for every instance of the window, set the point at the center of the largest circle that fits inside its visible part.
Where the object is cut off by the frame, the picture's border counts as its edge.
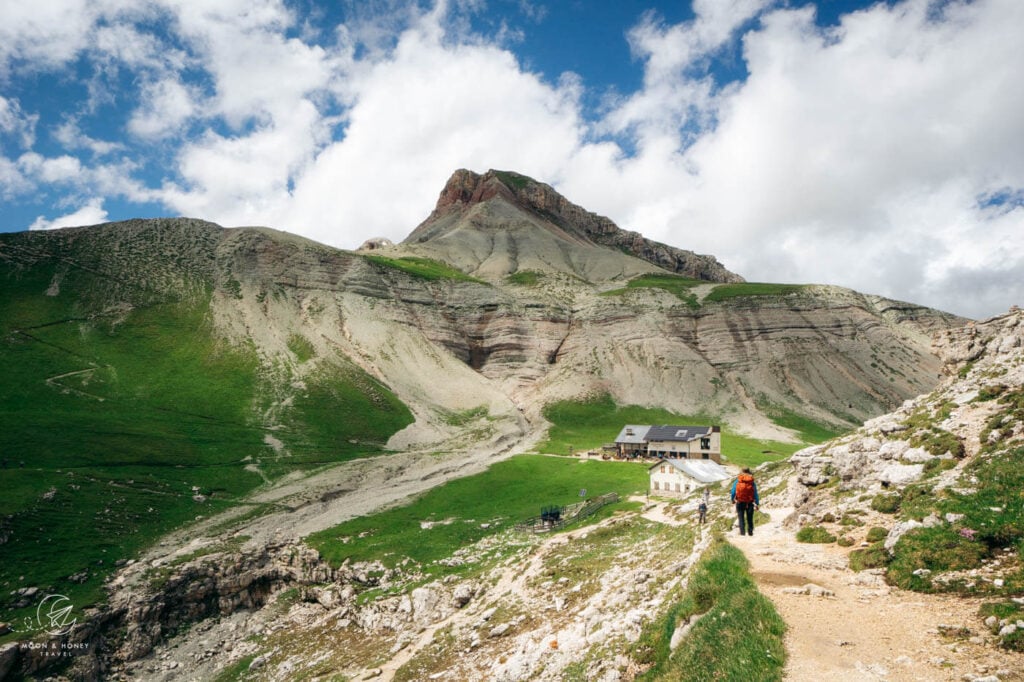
(656, 485)
(678, 489)
(705, 443)
(705, 455)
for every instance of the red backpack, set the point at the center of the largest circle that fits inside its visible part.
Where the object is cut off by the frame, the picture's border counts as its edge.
(745, 488)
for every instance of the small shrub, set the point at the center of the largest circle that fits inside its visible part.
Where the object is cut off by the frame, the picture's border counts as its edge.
(886, 503)
(828, 517)
(1001, 609)
(845, 541)
(850, 520)
(938, 465)
(877, 534)
(814, 535)
(937, 549)
(301, 347)
(868, 557)
(1013, 641)
(939, 442)
(990, 392)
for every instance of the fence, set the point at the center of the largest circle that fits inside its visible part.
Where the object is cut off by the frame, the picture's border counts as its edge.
(553, 518)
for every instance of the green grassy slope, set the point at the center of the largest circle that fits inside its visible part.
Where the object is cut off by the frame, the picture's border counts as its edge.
(674, 284)
(472, 508)
(123, 415)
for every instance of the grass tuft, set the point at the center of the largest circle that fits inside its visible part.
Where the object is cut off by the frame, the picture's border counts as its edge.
(869, 557)
(526, 278)
(815, 535)
(886, 503)
(876, 534)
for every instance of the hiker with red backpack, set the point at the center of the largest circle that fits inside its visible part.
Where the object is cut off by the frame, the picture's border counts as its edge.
(744, 495)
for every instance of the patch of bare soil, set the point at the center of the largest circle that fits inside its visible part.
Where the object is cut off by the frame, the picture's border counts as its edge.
(845, 625)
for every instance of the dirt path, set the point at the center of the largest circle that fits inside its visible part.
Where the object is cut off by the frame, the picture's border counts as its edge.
(852, 626)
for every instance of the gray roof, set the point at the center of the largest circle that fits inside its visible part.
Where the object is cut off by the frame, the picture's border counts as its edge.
(633, 434)
(677, 433)
(703, 470)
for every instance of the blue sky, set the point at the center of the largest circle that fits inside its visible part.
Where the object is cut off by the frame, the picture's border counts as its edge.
(878, 146)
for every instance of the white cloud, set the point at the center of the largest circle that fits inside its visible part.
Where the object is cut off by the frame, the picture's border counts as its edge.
(51, 170)
(17, 124)
(71, 136)
(47, 35)
(878, 137)
(672, 97)
(166, 105)
(245, 180)
(257, 72)
(92, 213)
(853, 156)
(13, 183)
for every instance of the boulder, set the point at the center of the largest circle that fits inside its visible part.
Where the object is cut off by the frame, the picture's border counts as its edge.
(8, 657)
(892, 449)
(425, 601)
(897, 531)
(901, 474)
(462, 595)
(916, 456)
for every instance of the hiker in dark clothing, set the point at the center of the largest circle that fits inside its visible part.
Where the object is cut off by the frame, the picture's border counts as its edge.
(702, 512)
(744, 495)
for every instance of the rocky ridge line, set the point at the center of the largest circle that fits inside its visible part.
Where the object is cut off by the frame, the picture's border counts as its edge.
(465, 189)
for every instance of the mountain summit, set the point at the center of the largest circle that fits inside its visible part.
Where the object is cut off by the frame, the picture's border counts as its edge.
(502, 222)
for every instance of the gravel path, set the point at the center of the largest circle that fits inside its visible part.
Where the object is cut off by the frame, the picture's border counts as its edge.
(852, 626)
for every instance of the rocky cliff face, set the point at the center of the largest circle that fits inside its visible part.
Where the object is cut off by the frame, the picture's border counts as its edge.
(471, 204)
(983, 363)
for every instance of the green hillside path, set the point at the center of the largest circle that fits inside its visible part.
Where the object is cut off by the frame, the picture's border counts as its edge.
(844, 625)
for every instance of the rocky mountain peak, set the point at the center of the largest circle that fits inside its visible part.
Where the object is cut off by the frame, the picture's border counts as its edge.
(461, 207)
(465, 188)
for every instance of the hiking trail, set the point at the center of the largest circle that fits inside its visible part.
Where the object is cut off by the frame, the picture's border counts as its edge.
(845, 625)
